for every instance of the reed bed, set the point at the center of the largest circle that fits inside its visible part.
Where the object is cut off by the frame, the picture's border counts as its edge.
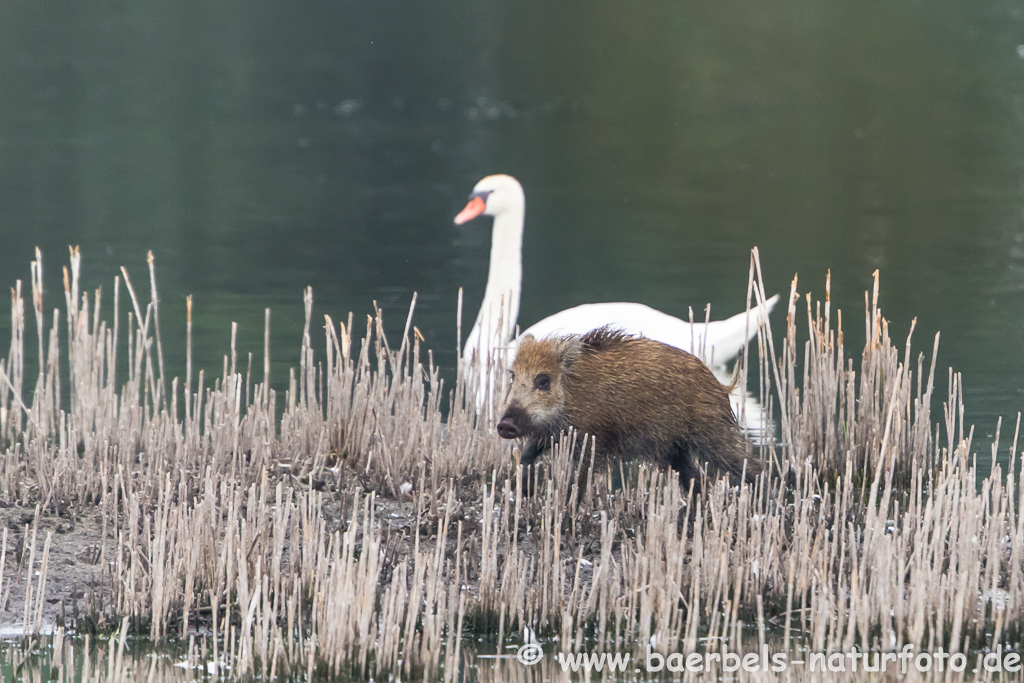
(378, 527)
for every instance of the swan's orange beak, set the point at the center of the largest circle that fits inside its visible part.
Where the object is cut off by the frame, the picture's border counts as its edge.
(475, 207)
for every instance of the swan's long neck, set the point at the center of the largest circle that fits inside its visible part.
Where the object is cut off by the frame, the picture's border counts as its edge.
(496, 320)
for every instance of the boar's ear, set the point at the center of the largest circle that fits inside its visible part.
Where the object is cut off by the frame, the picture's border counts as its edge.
(569, 349)
(523, 342)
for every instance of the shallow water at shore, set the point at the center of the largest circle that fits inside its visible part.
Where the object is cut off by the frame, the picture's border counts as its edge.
(107, 658)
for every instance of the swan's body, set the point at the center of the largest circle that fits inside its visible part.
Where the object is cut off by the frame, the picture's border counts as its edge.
(501, 196)
(716, 343)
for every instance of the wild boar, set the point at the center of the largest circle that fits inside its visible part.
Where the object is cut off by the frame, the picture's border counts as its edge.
(638, 399)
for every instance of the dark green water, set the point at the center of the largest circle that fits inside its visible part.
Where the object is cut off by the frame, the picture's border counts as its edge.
(260, 147)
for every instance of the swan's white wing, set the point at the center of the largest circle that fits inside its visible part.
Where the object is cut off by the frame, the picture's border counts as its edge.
(720, 340)
(582, 319)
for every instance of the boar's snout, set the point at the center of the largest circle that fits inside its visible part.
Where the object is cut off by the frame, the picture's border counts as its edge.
(511, 424)
(507, 429)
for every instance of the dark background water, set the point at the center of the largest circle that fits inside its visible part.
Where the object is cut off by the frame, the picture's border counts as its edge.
(260, 147)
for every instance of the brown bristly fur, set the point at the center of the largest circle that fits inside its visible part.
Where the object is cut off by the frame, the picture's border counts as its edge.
(640, 400)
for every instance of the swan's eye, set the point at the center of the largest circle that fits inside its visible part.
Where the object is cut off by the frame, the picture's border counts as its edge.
(542, 383)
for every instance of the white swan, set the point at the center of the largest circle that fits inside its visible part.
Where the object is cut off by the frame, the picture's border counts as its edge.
(501, 196)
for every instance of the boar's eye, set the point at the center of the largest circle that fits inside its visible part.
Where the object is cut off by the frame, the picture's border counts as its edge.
(542, 383)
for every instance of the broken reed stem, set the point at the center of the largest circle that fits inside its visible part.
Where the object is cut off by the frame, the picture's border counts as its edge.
(156, 321)
(188, 357)
(266, 351)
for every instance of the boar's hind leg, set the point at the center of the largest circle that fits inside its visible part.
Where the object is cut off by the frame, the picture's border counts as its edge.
(681, 459)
